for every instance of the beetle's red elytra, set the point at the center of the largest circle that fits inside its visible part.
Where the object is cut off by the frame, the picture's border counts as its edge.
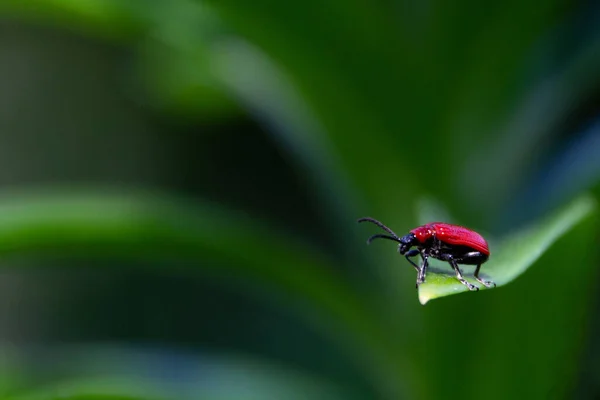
(452, 243)
(453, 235)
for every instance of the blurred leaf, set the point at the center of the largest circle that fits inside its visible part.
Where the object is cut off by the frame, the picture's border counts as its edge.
(111, 18)
(432, 81)
(172, 39)
(175, 62)
(340, 75)
(149, 226)
(534, 119)
(258, 83)
(153, 226)
(570, 172)
(513, 255)
(147, 372)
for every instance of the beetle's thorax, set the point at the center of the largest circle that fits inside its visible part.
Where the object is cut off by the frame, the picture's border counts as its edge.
(423, 233)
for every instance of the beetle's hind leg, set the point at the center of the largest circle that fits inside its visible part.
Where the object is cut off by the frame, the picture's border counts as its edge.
(459, 276)
(476, 258)
(487, 284)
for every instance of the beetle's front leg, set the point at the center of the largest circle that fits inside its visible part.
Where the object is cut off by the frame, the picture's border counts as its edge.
(412, 253)
(422, 270)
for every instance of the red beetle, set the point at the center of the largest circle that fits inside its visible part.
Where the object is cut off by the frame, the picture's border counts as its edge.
(452, 243)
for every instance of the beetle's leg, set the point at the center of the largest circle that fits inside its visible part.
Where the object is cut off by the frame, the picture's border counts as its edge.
(476, 258)
(459, 276)
(487, 284)
(423, 270)
(412, 253)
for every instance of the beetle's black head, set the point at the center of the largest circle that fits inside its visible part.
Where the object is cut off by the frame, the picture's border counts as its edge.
(406, 242)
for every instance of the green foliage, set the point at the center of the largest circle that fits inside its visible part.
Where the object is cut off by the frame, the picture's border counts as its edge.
(208, 378)
(376, 105)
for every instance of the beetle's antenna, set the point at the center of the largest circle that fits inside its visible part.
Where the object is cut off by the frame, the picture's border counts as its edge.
(379, 236)
(382, 226)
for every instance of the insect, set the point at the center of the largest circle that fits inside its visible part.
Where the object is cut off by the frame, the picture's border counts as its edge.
(452, 243)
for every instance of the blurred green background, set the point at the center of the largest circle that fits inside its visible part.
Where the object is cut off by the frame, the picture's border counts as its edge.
(180, 181)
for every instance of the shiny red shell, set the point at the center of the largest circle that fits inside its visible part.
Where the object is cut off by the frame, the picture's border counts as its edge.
(452, 234)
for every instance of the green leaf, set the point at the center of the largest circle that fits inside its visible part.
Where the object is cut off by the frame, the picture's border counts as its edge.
(110, 18)
(108, 372)
(511, 256)
(153, 227)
